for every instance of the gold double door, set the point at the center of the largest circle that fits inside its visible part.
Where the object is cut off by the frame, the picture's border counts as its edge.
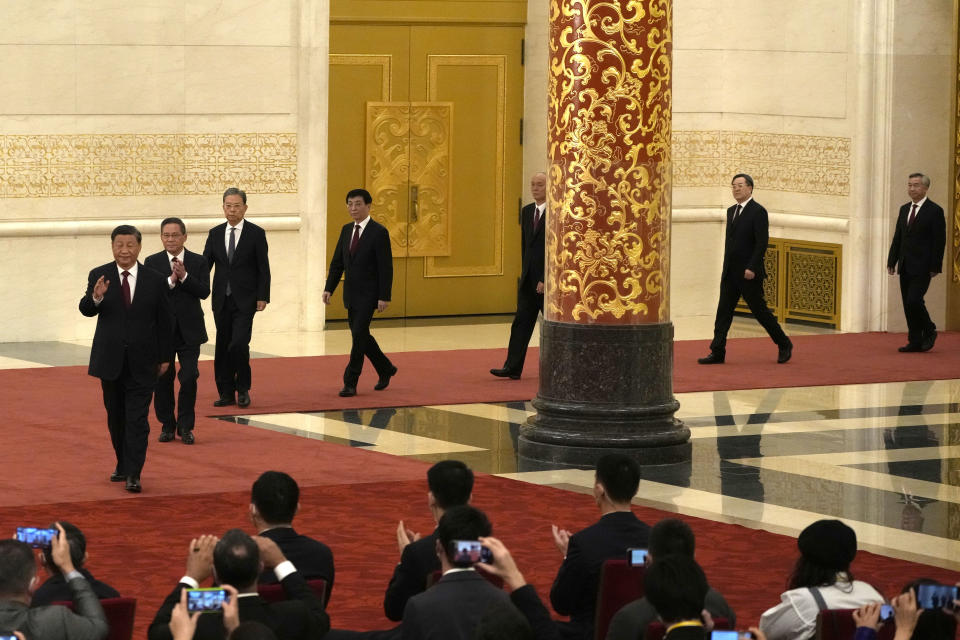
(427, 118)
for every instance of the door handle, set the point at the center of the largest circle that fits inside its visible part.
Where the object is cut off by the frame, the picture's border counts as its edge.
(414, 202)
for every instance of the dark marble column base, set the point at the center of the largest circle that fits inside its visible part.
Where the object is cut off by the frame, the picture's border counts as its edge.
(605, 388)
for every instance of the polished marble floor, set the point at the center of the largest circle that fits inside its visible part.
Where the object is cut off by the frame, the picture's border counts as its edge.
(884, 457)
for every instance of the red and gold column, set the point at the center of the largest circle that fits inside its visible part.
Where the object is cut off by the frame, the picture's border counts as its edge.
(606, 359)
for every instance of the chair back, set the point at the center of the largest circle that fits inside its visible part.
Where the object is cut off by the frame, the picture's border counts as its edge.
(119, 613)
(838, 624)
(656, 630)
(271, 593)
(496, 581)
(620, 584)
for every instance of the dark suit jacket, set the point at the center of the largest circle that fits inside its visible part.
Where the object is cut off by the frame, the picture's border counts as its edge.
(143, 334)
(631, 621)
(574, 590)
(56, 589)
(918, 250)
(451, 609)
(369, 273)
(248, 274)
(57, 622)
(185, 297)
(300, 617)
(746, 241)
(312, 558)
(528, 602)
(417, 562)
(531, 248)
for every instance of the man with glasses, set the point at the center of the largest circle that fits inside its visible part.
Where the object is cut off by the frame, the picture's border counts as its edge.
(188, 282)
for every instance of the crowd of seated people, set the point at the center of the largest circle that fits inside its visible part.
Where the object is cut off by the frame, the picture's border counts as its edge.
(438, 592)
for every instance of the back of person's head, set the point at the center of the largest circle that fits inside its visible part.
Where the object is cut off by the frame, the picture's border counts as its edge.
(676, 587)
(461, 523)
(450, 482)
(276, 496)
(78, 547)
(933, 624)
(253, 630)
(827, 547)
(620, 476)
(502, 621)
(17, 568)
(670, 536)
(236, 559)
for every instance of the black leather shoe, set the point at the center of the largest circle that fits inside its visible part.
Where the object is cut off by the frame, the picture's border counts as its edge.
(505, 373)
(133, 485)
(910, 348)
(346, 392)
(116, 476)
(928, 341)
(713, 358)
(243, 398)
(224, 401)
(785, 353)
(187, 438)
(166, 436)
(385, 380)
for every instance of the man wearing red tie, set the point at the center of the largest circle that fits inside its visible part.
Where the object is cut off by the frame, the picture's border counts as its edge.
(363, 256)
(916, 253)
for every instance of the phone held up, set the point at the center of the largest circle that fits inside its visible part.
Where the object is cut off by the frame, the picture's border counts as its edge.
(205, 600)
(36, 537)
(470, 552)
(637, 557)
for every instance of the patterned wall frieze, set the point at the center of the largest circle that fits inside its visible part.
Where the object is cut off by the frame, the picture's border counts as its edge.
(778, 162)
(145, 164)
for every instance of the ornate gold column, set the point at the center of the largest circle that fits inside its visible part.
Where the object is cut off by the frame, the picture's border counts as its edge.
(952, 266)
(606, 359)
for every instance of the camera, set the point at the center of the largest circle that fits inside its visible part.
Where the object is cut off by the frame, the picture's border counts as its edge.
(936, 596)
(469, 552)
(637, 557)
(36, 537)
(203, 600)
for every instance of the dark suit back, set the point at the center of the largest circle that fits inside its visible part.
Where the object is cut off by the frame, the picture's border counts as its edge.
(451, 609)
(746, 241)
(368, 274)
(417, 562)
(532, 247)
(248, 273)
(917, 249)
(312, 558)
(142, 335)
(185, 297)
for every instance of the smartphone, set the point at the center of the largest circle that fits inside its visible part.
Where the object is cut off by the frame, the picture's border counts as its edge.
(468, 552)
(36, 537)
(6, 635)
(731, 635)
(203, 600)
(637, 557)
(936, 596)
(886, 612)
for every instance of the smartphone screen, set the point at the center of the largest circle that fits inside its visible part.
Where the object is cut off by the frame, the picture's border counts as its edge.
(636, 557)
(205, 599)
(468, 552)
(730, 635)
(886, 612)
(936, 596)
(36, 537)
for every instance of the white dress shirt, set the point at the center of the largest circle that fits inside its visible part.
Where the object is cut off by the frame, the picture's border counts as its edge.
(236, 236)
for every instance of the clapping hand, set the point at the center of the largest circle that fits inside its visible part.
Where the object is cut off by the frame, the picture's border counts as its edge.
(100, 288)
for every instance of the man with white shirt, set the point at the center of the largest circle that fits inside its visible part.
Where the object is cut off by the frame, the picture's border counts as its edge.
(132, 346)
(530, 284)
(188, 282)
(364, 257)
(916, 253)
(241, 287)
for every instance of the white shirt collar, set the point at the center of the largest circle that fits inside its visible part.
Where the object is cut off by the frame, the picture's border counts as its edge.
(239, 226)
(743, 205)
(179, 256)
(132, 270)
(363, 224)
(919, 204)
(458, 570)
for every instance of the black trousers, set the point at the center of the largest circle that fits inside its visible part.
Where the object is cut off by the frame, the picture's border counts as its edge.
(163, 404)
(128, 405)
(231, 359)
(363, 344)
(752, 291)
(912, 290)
(529, 304)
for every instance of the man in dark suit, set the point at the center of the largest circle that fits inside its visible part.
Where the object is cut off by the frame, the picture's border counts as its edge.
(917, 254)
(453, 608)
(530, 285)
(132, 345)
(241, 287)
(574, 590)
(237, 560)
(56, 588)
(188, 282)
(743, 272)
(362, 253)
(274, 501)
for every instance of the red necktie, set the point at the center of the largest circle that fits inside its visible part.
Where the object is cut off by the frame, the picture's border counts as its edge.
(913, 214)
(356, 239)
(174, 261)
(536, 219)
(125, 289)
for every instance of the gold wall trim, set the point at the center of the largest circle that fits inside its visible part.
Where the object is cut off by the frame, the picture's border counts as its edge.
(140, 164)
(778, 162)
(430, 267)
(385, 62)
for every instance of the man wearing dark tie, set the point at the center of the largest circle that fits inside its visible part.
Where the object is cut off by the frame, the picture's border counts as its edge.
(363, 254)
(188, 282)
(132, 345)
(237, 251)
(743, 272)
(530, 285)
(917, 254)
